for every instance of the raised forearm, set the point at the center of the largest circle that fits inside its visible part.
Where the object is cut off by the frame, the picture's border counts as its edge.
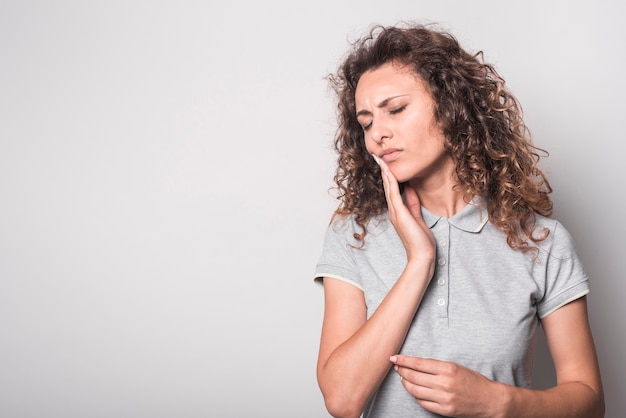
(355, 368)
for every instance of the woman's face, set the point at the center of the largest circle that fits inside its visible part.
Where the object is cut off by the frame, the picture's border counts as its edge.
(395, 110)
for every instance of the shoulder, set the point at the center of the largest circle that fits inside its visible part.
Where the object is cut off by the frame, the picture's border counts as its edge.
(348, 227)
(559, 242)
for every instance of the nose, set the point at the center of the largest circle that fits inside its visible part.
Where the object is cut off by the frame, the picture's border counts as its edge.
(380, 132)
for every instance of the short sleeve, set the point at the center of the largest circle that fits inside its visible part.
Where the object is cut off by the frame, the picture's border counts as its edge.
(566, 279)
(337, 260)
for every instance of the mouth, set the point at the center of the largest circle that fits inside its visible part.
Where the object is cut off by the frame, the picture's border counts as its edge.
(390, 155)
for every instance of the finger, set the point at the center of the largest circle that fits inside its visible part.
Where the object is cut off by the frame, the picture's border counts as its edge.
(400, 371)
(382, 175)
(424, 365)
(426, 393)
(390, 183)
(412, 377)
(412, 201)
(419, 389)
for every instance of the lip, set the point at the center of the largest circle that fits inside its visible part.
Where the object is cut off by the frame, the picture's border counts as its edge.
(390, 155)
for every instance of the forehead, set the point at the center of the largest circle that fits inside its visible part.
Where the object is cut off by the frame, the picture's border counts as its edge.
(388, 80)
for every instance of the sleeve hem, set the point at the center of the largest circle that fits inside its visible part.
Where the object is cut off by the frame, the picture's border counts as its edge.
(319, 278)
(565, 302)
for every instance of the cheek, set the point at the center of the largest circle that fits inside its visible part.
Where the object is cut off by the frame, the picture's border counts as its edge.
(368, 146)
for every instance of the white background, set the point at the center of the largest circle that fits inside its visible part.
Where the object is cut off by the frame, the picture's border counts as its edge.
(164, 169)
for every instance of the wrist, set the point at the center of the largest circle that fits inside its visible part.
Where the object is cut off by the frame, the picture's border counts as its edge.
(420, 270)
(504, 397)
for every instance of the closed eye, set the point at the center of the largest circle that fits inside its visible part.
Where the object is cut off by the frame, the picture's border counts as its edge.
(397, 110)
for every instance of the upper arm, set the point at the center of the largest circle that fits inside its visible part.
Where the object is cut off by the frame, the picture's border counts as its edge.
(345, 313)
(571, 345)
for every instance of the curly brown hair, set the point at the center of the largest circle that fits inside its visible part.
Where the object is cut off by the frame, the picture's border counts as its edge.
(480, 119)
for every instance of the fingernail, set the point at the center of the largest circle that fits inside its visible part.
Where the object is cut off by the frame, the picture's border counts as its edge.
(393, 359)
(376, 159)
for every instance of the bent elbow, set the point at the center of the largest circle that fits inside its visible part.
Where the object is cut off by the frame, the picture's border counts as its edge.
(597, 407)
(600, 409)
(342, 407)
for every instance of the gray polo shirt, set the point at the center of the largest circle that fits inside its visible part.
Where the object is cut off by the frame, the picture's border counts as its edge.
(482, 306)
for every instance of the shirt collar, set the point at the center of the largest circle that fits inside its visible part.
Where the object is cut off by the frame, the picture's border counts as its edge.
(472, 218)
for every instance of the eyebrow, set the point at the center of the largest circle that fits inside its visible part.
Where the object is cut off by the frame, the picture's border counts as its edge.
(379, 105)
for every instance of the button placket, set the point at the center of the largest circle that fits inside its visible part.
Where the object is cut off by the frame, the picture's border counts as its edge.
(441, 278)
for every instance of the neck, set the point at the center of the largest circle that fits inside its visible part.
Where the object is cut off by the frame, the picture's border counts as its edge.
(439, 195)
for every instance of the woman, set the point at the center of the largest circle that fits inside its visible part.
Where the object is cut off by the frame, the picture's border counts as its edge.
(441, 259)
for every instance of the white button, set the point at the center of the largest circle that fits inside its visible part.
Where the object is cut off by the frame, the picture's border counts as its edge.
(441, 261)
(441, 282)
(443, 243)
(441, 302)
